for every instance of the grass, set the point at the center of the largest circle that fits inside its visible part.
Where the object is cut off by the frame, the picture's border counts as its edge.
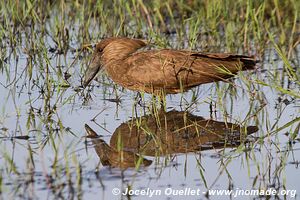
(45, 47)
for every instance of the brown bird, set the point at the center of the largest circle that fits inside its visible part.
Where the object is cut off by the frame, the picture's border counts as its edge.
(166, 70)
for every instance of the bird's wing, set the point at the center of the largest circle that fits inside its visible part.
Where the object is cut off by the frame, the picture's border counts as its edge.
(154, 68)
(173, 69)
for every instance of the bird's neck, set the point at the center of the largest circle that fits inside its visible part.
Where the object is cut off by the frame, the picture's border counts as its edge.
(120, 50)
(114, 57)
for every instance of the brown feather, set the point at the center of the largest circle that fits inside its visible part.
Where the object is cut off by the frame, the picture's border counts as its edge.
(169, 70)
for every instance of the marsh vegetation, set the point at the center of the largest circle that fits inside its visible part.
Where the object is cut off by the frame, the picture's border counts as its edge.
(45, 47)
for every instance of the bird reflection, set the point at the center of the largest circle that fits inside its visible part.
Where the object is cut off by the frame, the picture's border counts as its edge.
(115, 157)
(165, 133)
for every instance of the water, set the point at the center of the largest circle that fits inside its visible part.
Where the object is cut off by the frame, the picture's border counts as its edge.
(58, 161)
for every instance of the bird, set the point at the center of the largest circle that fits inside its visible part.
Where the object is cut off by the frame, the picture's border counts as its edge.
(157, 71)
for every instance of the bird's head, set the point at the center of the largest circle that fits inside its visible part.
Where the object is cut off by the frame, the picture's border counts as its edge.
(109, 50)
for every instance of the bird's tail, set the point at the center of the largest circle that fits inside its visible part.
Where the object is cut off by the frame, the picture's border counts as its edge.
(248, 62)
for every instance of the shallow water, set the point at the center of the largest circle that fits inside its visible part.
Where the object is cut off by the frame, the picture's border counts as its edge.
(55, 159)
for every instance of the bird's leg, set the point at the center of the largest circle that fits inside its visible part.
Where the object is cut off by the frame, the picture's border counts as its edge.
(158, 100)
(163, 104)
(153, 104)
(139, 99)
(212, 110)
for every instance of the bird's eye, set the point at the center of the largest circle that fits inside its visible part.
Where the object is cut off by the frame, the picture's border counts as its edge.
(100, 50)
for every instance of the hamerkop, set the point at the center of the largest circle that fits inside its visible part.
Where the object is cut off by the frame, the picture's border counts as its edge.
(167, 70)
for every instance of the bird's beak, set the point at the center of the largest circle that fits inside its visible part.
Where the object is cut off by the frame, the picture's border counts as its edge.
(92, 70)
(90, 132)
